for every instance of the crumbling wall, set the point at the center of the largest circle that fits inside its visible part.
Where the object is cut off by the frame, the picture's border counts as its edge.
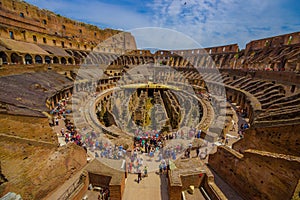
(257, 174)
(34, 128)
(32, 180)
(282, 139)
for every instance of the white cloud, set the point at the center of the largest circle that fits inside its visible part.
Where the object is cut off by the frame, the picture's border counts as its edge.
(225, 21)
(93, 11)
(211, 23)
(162, 38)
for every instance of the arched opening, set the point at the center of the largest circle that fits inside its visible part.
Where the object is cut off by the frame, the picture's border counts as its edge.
(77, 60)
(83, 53)
(38, 59)
(55, 60)
(78, 57)
(15, 58)
(70, 61)
(69, 52)
(47, 60)
(28, 59)
(87, 61)
(63, 61)
(3, 56)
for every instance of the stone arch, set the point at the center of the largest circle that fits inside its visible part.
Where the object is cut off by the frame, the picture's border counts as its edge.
(88, 61)
(38, 59)
(28, 59)
(77, 57)
(63, 60)
(55, 60)
(15, 58)
(83, 53)
(4, 57)
(47, 59)
(69, 52)
(99, 58)
(70, 61)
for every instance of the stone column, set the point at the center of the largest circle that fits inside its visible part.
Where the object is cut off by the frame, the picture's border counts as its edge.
(238, 98)
(298, 67)
(52, 103)
(23, 59)
(8, 58)
(287, 67)
(243, 102)
(56, 99)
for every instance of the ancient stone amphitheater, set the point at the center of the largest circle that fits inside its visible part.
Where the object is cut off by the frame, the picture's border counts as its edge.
(41, 55)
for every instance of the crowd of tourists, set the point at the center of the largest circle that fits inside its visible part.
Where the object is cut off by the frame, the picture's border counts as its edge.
(59, 112)
(150, 145)
(69, 131)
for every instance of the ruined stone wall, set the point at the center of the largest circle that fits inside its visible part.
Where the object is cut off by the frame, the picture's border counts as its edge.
(172, 107)
(22, 21)
(36, 181)
(231, 48)
(282, 139)
(116, 191)
(287, 78)
(257, 175)
(33, 128)
(174, 192)
(211, 188)
(287, 39)
(192, 179)
(81, 190)
(99, 180)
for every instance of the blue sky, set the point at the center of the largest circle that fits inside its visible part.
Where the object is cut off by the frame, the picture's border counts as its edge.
(209, 22)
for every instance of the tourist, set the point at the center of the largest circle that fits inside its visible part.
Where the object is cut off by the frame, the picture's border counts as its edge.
(233, 125)
(197, 151)
(62, 131)
(198, 134)
(190, 145)
(164, 165)
(160, 168)
(226, 141)
(56, 121)
(139, 176)
(66, 137)
(187, 153)
(173, 154)
(145, 171)
(242, 127)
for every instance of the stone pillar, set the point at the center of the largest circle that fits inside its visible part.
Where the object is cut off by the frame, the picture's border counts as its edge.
(56, 99)
(298, 67)
(237, 98)
(23, 59)
(234, 97)
(287, 67)
(243, 102)
(52, 103)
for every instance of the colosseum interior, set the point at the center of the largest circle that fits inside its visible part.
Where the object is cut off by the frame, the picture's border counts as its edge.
(245, 102)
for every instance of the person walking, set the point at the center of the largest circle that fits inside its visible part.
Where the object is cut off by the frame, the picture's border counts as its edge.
(139, 176)
(226, 140)
(198, 151)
